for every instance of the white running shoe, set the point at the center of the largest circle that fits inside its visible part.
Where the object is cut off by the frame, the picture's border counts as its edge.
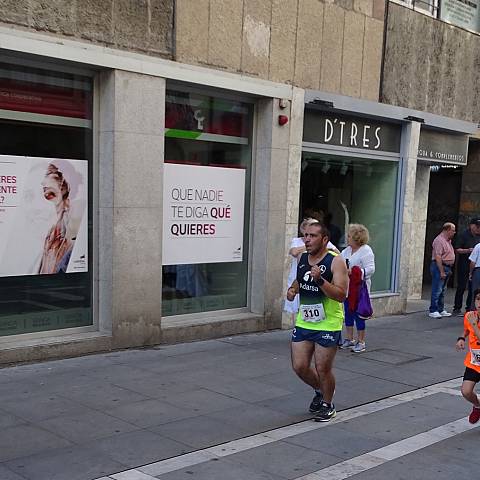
(444, 313)
(359, 347)
(347, 344)
(435, 315)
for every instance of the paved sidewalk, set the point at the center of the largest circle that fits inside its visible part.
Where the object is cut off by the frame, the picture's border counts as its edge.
(88, 417)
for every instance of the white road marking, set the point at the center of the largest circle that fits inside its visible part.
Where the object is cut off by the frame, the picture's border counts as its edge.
(367, 461)
(132, 475)
(363, 462)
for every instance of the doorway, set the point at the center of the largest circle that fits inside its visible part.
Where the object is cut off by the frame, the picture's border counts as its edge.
(443, 206)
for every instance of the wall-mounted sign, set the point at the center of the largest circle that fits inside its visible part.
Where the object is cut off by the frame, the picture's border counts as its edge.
(351, 132)
(45, 99)
(443, 147)
(43, 216)
(202, 214)
(463, 13)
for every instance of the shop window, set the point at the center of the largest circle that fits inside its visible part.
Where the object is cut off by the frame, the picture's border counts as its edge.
(343, 190)
(45, 200)
(429, 7)
(207, 177)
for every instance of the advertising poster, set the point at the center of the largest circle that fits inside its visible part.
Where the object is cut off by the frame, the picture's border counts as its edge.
(43, 216)
(463, 13)
(202, 214)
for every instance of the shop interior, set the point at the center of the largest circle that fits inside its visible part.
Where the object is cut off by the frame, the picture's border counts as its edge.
(339, 190)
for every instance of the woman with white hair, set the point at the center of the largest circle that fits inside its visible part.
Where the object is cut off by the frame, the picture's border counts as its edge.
(357, 254)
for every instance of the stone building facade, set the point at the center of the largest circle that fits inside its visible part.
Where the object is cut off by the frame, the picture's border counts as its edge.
(133, 94)
(138, 26)
(433, 66)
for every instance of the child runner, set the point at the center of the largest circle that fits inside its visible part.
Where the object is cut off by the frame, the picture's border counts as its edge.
(471, 376)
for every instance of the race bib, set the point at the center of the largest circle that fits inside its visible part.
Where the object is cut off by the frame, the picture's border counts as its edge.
(313, 313)
(475, 357)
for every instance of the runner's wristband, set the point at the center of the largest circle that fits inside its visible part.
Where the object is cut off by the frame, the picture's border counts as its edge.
(460, 338)
(320, 281)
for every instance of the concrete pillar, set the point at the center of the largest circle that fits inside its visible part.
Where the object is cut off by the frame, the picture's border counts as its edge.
(293, 186)
(272, 177)
(130, 201)
(409, 263)
(419, 227)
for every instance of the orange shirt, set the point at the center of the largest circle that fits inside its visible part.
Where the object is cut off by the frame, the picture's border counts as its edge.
(472, 358)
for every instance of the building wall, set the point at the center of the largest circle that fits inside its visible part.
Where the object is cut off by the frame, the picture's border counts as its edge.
(430, 65)
(331, 46)
(137, 25)
(470, 193)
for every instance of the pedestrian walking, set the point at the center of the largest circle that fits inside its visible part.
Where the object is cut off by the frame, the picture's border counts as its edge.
(464, 246)
(357, 254)
(297, 247)
(471, 329)
(443, 258)
(322, 283)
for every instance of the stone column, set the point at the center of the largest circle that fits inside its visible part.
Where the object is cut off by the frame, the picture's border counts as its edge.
(130, 200)
(408, 255)
(419, 227)
(293, 186)
(270, 209)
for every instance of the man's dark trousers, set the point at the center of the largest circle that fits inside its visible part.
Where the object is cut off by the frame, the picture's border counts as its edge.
(462, 284)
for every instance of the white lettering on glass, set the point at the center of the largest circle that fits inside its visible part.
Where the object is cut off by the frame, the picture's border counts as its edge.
(366, 140)
(353, 135)
(328, 130)
(377, 130)
(342, 124)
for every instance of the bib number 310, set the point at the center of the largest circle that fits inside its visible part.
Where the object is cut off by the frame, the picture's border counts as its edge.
(313, 313)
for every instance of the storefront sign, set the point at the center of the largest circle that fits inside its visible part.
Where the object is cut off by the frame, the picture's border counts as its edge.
(352, 132)
(45, 99)
(202, 214)
(443, 147)
(43, 216)
(463, 13)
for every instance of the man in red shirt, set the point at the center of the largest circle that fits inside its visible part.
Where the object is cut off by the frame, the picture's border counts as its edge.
(472, 359)
(443, 258)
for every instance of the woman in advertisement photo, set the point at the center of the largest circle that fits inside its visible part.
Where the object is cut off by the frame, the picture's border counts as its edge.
(43, 225)
(59, 242)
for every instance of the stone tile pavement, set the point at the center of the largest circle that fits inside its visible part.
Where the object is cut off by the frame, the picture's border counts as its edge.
(93, 416)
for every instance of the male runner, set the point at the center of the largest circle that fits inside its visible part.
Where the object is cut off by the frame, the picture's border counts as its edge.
(322, 282)
(472, 359)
